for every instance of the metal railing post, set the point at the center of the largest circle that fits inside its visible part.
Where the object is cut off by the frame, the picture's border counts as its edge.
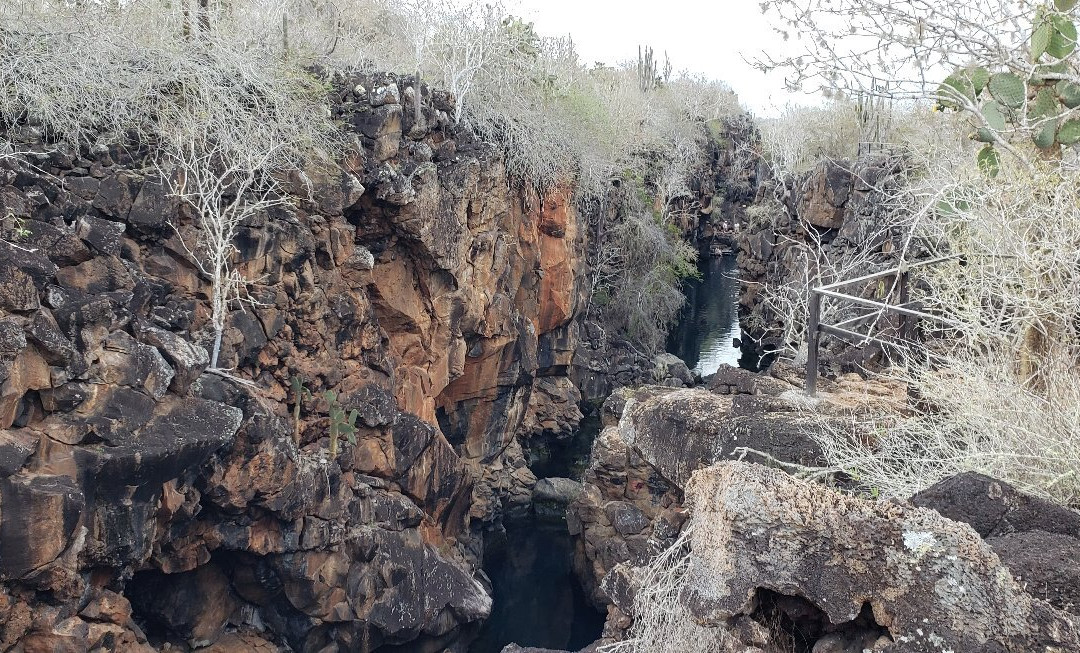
(905, 297)
(812, 336)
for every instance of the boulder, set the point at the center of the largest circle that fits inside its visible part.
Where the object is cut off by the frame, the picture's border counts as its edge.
(40, 270)
(824, 195)
(98, 275)
(994, 508)
(551, 496)
(670, 370)
(126, 362)
(188, 360)
(116, 193)
(55, 347)
(108, 606)
(928, 583)
(657, 437)
(688, 429)
(388, 94)
(626, 518)
(68, 636)
(1047, 565)
(154, 207)
(556, 490)
(16, 447)
(17, 291)
(38, 519)
(103, 235)
(374, 406)
(728, 380)
(19, 375)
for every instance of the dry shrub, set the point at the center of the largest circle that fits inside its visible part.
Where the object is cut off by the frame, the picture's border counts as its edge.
(661, 620)
(87, 72)
(644, 294)
(999, 384)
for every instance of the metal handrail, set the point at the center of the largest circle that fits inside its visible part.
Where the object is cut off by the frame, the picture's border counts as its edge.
(903, 309)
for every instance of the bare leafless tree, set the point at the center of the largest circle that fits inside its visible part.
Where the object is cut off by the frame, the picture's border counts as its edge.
(946, 52)
(848, 44)
(468, 38)
(224, 189)
(1001, 391)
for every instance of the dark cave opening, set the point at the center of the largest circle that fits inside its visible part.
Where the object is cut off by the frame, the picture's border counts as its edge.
(798, 625)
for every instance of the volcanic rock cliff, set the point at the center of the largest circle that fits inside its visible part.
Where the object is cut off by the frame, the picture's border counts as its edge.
(145, 499)
(836, 216)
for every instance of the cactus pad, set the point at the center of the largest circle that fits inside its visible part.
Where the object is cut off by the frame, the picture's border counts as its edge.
(1008, 89)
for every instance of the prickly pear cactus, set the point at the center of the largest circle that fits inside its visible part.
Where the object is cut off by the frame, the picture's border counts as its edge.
(1033, 102)
(1008, 89)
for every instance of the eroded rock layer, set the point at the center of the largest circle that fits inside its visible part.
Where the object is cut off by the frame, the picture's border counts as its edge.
(144, 499)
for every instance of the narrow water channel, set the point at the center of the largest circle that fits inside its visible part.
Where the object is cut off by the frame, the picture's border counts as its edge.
(705, 333)
(537, 600)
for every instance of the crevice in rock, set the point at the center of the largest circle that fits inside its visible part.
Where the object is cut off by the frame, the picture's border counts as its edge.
(565, 457)
(798, 625)
(28, 410)
(192, 606)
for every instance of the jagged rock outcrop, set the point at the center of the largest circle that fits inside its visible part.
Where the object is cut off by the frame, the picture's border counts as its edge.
(655, 438)
(603, 366)
(778, 564)
(837, 208)
(900, 577)
(727, 183)
(1038, 540)
(144, 499)
(995, 508)
(721, 187)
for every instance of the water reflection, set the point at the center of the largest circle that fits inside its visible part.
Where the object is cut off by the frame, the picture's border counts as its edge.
(709, 323)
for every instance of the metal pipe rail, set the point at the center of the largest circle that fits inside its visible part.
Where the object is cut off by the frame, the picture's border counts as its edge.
(904, 309)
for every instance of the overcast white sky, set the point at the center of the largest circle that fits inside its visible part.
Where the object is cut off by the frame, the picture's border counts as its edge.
(699, 36)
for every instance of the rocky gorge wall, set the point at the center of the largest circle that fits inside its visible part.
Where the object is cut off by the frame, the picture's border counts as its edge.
(144, 499)
(833, 219)
(720, 187)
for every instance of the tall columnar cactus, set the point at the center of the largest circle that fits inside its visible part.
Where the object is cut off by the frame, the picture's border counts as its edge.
(300, 395)
(646, 69)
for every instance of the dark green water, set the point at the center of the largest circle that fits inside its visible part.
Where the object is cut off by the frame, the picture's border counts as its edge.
(709, 324)
(569, 459)
(537, 600)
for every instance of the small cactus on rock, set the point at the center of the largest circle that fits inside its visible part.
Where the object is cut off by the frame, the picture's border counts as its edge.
(300, 394)
(340, 422)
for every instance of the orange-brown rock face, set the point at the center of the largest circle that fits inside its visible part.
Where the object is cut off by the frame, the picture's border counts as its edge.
(466, 338)
(559, 262)
(413, 281)
(528, 287)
